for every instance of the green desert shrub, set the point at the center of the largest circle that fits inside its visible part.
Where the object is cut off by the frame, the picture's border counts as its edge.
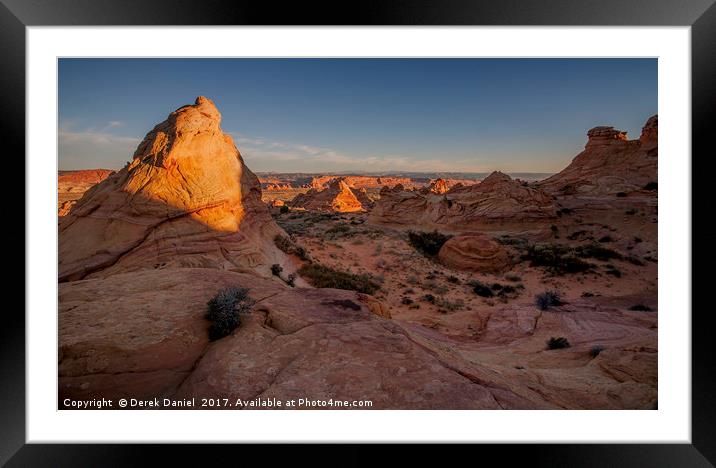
(558, 259)
(449, 305)
(224, 311)
(322, 276)
(548, 299)
(597, 252)
(276, 269)
(286, 245)
(428, 243)
(480, 288)
(558, 343)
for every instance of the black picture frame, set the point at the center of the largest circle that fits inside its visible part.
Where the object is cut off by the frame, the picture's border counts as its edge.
(700, 15)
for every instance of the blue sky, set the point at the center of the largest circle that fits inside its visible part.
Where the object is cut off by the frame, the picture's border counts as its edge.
(324, 115)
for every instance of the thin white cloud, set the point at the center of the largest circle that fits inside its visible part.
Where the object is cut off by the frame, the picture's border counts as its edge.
(262, 154)
(93, 148)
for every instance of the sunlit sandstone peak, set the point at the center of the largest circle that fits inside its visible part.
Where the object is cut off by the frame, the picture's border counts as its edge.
(185, 199)
(337, 197)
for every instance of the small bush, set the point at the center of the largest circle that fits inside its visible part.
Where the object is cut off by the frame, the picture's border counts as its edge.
(283, 209)
(595, 350)
(558, 343)
(605, 239)
(652, 186)
(428, 243)
(614, 271)
(548, 299)
(340, 230)
(285, 245)
(291, 280)
(563, 211)
(429, 298)
(621, 194)
(513, 278)
(640, 308)
(453, 279)
(481, 289)
(406, 301)
(557, 258)
(224, 311)
(597, 252)
(322, 276)
(630, 212)
(276, 269)
(448, 305)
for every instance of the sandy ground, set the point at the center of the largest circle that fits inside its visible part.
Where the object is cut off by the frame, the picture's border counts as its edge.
(612, 347)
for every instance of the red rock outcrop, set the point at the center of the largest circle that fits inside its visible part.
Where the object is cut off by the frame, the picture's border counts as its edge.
(143, 335)
(610, 163)
(323, 182)
(186, 199)
(65, 207)
(338, 197)
(474, 252)
(496, 201)
(80, 181)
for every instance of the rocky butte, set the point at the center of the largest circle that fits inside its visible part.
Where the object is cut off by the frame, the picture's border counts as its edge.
(337, 197)
(496, 202)
(186, 199)
(610, 163)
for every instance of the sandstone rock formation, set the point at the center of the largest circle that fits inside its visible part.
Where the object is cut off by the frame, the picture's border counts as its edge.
(65, 207)
(322, 182)
(186, 199)
(495, 202)
(474, 252)
(143, 335)
(439, 186)
(80, 181)
(338, 197)
(610, 163)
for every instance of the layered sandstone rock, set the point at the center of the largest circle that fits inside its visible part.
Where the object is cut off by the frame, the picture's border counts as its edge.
(496, 201)
(80, 181)
(143, 335)
(610, 163)
(439, 186)
(474, 252)
(337, 197)
(186, 199)
(322, 182)
(65, 207)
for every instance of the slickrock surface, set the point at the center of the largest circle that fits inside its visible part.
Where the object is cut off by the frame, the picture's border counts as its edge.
(186, 199)
(610, 163)
(475, 252)
(338, 197)
(495, 202)
(143, 335)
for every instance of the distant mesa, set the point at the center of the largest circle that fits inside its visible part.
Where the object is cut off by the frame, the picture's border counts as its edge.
(609, 164)
(338, 197)
(186, 199)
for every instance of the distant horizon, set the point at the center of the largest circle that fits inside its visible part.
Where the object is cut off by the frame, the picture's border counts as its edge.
(525, 116)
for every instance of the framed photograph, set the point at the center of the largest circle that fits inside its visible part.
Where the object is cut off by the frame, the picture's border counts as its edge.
(410, 224)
